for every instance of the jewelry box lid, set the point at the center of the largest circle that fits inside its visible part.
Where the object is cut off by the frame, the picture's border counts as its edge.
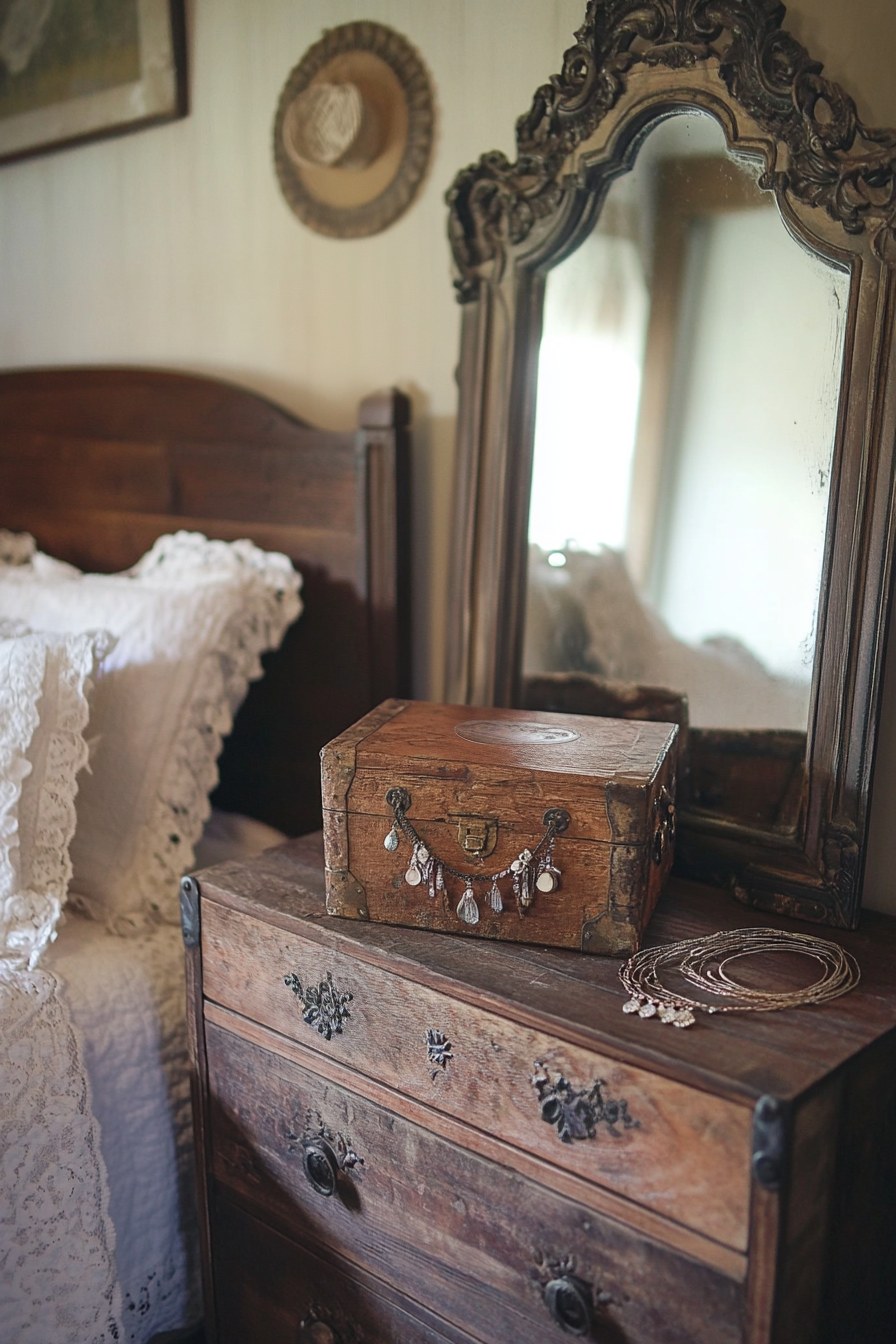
(610, 775)
(526, 740)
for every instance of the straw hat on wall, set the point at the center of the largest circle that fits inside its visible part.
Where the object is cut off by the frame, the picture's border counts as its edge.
(353, 130)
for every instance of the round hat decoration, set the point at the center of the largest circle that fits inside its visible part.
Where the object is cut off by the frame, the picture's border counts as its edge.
(353, 130)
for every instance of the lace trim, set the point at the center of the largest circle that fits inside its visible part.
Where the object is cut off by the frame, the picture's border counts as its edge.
(26, 918)
(24, 673)
(181, 808)
(57, 1242)
(51, 865)
(52, 676)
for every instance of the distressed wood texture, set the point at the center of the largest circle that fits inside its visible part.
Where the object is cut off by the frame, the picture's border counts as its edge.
(425, 1214)
(793, 840)
(274, 1291)
(704, 1220)
(488, 1082)
(98, 462)
(505, 769)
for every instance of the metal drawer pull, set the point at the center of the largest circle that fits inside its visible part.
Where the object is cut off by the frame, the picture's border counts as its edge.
(324, 1155)
(316, 1328)
(324, 1007)
(320, 1165)
(569, 1300)
(317, 1332)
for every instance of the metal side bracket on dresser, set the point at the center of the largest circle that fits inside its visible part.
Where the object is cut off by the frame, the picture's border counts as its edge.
(770, 1137)
(405, 1136)
(189, 911)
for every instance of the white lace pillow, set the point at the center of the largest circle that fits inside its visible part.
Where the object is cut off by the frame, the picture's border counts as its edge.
(191, 620)
(44, 684)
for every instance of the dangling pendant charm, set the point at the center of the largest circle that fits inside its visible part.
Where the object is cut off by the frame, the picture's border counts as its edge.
(420, 867)
(391, 840)
(523, 888)
(548, 878)
(531, 872)
(467, 908)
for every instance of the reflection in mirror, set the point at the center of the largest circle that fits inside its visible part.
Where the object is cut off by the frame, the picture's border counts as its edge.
(716, 451)
(688, 385)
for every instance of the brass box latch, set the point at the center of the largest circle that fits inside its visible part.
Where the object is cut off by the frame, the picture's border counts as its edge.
(477, 836)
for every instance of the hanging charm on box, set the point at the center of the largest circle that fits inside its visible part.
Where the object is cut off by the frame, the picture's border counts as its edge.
(391, 840)
(420, 868)
(467, 908)
(548, 878)
(521, 880)
(533, 870)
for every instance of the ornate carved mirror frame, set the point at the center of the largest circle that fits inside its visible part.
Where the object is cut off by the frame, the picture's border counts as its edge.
(634, 62)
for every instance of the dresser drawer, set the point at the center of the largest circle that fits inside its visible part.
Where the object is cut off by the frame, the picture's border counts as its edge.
(678, 1151)
(472, 1240)
(271, 1291)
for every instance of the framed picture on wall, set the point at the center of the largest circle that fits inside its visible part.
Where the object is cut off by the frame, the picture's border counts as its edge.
(75, 70)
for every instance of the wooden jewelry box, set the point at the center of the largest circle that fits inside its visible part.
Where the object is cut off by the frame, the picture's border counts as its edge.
(532, 827)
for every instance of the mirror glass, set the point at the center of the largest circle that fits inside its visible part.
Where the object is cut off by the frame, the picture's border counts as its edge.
(688, 384)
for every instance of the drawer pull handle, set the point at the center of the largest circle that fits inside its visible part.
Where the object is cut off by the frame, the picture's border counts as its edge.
(316, 1332)
(324, 1155)
(569, 1301)
(320, 1165)
(314, 1329)
(324, 1007)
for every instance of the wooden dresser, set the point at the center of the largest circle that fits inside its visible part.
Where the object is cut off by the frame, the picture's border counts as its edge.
(408, 1137)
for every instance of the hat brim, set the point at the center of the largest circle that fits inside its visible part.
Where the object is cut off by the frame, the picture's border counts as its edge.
(347, 202)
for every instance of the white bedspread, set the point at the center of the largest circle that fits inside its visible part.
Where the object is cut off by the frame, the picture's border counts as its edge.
(98, 1238)
(58, 1281)
(126, 1000)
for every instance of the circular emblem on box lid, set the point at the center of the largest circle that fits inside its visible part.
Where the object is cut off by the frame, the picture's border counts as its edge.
(506, 732)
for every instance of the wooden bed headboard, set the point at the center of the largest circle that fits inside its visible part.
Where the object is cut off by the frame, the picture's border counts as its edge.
(98, 462)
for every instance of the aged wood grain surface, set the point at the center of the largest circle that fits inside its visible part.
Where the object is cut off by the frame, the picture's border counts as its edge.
(488, 1082)
(98, 462)
(605, 897)
(468, 1237)
(578, 998)
(614, 779)
(816, 1267)
(275, 1291)
(675, 1236)
(201, 1133)
(603, 748)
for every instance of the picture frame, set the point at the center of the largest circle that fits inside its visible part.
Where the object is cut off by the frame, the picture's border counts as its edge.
(78, 70)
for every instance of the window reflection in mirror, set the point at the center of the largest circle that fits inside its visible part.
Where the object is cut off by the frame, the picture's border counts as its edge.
(687, 401)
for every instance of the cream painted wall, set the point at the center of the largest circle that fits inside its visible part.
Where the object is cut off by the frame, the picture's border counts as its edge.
(174, 246)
